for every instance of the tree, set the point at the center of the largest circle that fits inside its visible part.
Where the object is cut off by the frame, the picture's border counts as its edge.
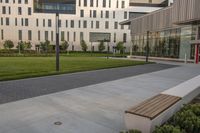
(65, 45)
(8, 44)
(120, 47)
(84, 46)
(101, 46)
(27, 45)
(20, 46)
(44, 46)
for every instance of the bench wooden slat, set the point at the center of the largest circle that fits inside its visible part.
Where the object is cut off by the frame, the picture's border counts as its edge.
(152, 107)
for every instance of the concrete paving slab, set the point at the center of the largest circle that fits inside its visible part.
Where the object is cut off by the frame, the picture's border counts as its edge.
(97, 108)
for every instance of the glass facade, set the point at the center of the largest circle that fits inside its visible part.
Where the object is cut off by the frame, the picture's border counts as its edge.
(54, 6)
(172, 43)
(161, 44)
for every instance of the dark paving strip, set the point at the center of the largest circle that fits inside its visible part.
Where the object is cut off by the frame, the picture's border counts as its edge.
(27, 88)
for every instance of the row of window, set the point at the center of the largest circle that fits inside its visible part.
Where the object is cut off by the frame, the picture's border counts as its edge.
(93, 14)
(14, 1)
(7, 10)
(105, 3)
(81, 24)
(49, 35)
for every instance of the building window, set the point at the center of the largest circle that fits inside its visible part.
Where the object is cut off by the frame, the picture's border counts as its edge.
(81, 36)
(125, 15)
(15, 21)
(79, 24)
(104, 3)
(19, 11)
(7, 21)
(1, 21)
(37, 22)
(3, 10)
(113, 14)
(124, 37)
(68, 36)
(46, 35)
(101, 14)
(72, 23)
(26, 2)
(107, 14)
(19, 1)
(84, 24)
(43, 22)
(123, 4)
(90, 13)
(91, 3)
(62, 35)
(114, 37)
(59, 23)
(92, 24)
(38, 35)
(79, 3)
(29, 11)
(22, 21)
(94, 14)
(116, 25)
(26, 21)
(117, 4)
(97, 3)
(66, 23)
(20, 34)
(9, 9)
(97, 24)
(29, 35)
(49, 23)
(81, 13)
(109, 3)
(85, 3)
(106, 25)
(2, 35)
(52, 36)
(74, 36)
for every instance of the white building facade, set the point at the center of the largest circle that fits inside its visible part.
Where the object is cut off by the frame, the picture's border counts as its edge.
(34, 21)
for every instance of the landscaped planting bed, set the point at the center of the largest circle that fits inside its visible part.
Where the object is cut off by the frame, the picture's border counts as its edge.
(187, 120)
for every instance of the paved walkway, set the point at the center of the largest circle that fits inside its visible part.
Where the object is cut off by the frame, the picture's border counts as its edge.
(21, 89)
(97, 108)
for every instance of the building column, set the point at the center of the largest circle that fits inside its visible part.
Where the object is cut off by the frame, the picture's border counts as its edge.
(197, 53)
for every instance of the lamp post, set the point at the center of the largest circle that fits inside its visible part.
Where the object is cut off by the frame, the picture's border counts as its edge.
(147, 48)
(57, 43)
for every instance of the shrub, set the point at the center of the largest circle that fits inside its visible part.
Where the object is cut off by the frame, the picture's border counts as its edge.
(167, 129)
(8, 44)
(101, 46)
(84, 46)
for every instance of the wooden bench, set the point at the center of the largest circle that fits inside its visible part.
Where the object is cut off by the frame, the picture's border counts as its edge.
(146, 115)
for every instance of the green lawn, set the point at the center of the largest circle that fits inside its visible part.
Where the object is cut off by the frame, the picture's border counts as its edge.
(26, 67)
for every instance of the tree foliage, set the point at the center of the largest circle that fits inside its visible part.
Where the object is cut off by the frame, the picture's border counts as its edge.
(101, 46)
(120, 47)
(84, 46)
(8, 44)
(65, 45)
